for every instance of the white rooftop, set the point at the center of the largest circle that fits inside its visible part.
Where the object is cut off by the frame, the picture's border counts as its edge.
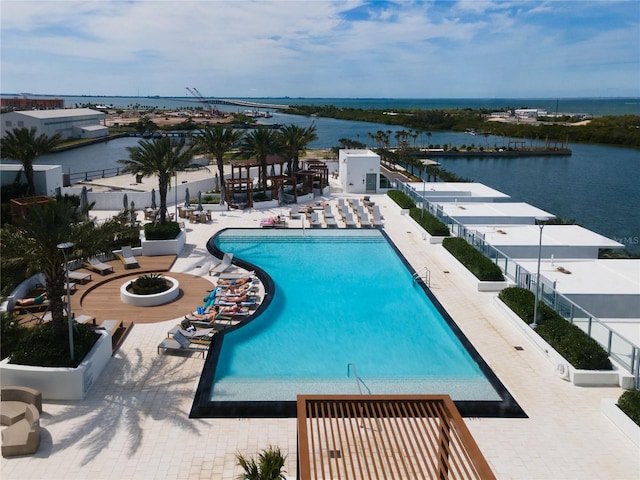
(605, 276)
(529, 235)
(464, 189)
(58, 113)
(479, 213)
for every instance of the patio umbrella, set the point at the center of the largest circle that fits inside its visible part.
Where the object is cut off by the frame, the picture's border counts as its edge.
(216, 182)
(200, 207)
(281, 195)
(186, 197)
(125, 201)
(134, 215)
(273, 170)
(84, 201)
(153, 199)
(222, 196)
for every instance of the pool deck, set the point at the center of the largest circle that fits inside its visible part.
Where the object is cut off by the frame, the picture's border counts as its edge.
(134, 422)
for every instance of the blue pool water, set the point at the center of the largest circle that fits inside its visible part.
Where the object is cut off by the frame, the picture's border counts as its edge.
(340, 299)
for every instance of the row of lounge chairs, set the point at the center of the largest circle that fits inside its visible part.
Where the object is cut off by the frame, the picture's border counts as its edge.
(194, 335)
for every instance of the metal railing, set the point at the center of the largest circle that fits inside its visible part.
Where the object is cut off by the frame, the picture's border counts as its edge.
(622, 350)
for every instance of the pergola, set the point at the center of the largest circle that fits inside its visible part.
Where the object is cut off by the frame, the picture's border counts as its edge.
(385, 436)
(230, 189)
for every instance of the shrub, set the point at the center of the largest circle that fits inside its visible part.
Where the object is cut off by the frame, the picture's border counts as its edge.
(168, 231)
(483, 268)
(149, 284)
(580, 350)
(430, 223)
(12, 333)
(41, 348)
(401, 198)
(629, 403)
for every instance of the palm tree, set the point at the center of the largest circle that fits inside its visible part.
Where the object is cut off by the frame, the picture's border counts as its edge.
(269, 466)
(217, 141)
(21, 144)
(295, 139)
(260, 143)
(30, 246)
(159, 157)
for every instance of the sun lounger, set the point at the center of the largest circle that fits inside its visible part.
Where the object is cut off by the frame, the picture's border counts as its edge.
(237, 275)
(330, 221)
(294, 211)
(180, 343)
(127, 258)
(271, 223)
(97, 266)
(349, 221)
(315, 219)
(79, 277)
(376, 221)
(223, 266)
(197, 334)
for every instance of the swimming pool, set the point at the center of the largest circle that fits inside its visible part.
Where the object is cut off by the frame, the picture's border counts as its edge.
(344, 316)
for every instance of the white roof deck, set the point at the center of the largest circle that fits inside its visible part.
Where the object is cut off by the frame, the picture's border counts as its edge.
(60, 113)
(605, 276)
(561, 241)
(499, 213)
(462, 191)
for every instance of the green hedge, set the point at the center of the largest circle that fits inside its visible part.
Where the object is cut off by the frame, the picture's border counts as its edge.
(430, 223)
(168, 231)
(629, 403)
(580, 350)
(427, 221)
(401, 198)
(483, 268)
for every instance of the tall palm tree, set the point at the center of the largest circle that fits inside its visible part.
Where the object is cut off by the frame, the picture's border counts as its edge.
(294, 139)
(23, 145)
(269, 465)
(260, 143)
(30, 245)
(217, 141)
(159, 157)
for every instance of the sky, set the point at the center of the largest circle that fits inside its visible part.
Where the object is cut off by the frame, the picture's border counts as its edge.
(321, 49)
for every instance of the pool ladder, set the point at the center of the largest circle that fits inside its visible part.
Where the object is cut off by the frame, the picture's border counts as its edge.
(427, 276)
(358, 381)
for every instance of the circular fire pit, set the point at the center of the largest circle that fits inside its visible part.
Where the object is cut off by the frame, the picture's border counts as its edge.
(153, 299)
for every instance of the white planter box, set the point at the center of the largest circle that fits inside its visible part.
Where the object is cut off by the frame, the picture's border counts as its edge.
(150, 300)
(481, 286)
(581, 378)
(63, 383)
(620, 419)
(152, 248)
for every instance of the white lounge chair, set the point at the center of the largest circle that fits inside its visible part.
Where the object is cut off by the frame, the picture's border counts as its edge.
(223, 266)
(349, 221)
(376, 221)
(79, 277)
(180, 343)
(97, 266)
(315, 219)
(127, 257)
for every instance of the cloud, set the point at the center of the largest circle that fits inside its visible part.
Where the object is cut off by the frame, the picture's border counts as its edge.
(317, 48)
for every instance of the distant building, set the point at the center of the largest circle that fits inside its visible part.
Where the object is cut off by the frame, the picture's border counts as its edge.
(24, 103)
(69, 123)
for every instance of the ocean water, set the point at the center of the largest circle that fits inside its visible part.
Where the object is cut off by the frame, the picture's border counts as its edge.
(594, 106)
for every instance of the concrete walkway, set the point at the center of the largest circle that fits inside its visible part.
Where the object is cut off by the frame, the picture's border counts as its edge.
(134, 423)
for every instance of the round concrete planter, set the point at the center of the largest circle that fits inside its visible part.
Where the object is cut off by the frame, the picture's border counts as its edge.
(153, 299)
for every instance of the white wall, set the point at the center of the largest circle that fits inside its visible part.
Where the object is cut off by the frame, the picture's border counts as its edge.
(354, 167)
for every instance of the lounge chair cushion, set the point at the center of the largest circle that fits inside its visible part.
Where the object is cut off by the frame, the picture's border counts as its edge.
(181, 339)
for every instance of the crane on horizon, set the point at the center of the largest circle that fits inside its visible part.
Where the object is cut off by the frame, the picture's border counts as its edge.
(213, 111)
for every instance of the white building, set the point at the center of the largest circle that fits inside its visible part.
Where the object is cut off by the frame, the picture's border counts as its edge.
(69, 123)
(359, 171)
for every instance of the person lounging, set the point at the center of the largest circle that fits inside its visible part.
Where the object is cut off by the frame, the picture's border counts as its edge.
(38, 300)
(234, 281)
(211, 313)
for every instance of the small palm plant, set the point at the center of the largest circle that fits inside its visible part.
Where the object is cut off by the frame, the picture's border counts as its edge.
(149, 284)
(269, 465)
